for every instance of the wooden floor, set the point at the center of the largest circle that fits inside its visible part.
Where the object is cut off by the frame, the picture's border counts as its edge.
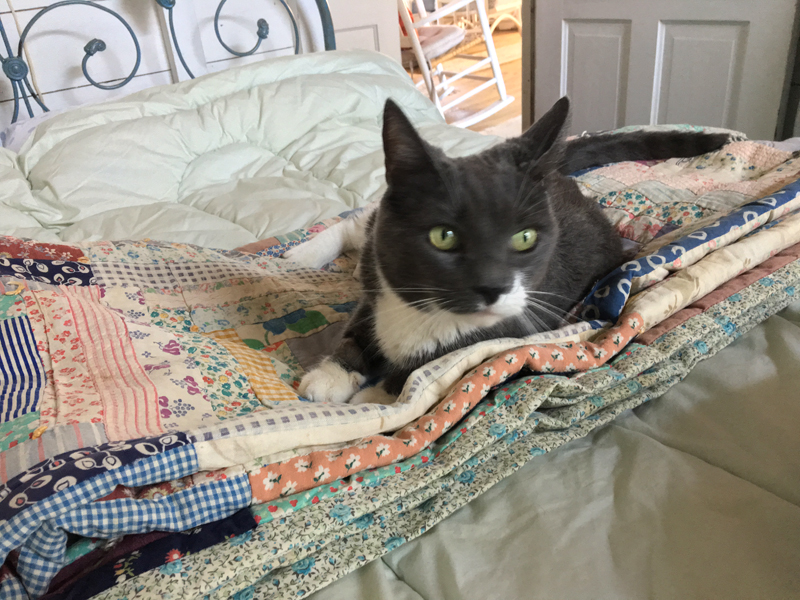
(509, 51)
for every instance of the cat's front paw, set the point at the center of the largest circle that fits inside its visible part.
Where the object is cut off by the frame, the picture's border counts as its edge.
(309, 255)
(373, 395)
(323, 248)
(330, 382)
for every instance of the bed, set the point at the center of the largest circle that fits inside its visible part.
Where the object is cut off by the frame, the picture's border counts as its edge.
(153, 444)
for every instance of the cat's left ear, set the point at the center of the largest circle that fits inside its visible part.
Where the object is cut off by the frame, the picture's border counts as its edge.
(406, 153)
(546, 136)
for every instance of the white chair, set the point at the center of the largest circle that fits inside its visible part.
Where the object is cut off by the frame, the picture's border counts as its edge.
(505, 10)
(428, 41)
(498, 12)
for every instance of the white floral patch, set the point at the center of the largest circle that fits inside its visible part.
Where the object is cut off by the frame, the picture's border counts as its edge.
(468, 387)
(556, 355)
(289, 488)
(271, 479)
(446, 426)
(449, 406)
(488, 372)
(465, 408)
(485, 389)
(617, 339)
(534, 354)
(510, 358)
(504, 375)
(547, 367)
(570, 367)
(352, 462)
(302, 465)
(381, 450)
(429, 426)
(600, 353)
(322, 474)
(581, 355)
(633, 323)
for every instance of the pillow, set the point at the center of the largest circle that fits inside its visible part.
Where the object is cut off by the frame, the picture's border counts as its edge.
(16, 134)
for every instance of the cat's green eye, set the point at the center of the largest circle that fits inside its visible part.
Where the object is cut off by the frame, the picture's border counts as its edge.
(443, 238)
(524, 240)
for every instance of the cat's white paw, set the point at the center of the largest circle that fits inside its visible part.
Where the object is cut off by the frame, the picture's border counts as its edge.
(373, 395)
(330, 382)
(312, 254)
(331, 243)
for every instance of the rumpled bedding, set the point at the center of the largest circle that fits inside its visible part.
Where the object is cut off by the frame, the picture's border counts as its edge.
(151, 433)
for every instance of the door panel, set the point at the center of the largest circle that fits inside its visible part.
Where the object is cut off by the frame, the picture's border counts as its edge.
(705, 91)
(594, 64)
(631, 62)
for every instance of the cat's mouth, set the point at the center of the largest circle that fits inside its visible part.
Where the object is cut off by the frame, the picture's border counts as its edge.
(490, 311)
(488, 316)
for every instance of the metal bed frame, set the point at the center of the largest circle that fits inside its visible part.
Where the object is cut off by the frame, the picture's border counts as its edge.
(16, 69)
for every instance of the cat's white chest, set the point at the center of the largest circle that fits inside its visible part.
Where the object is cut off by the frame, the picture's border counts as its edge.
(404, 332)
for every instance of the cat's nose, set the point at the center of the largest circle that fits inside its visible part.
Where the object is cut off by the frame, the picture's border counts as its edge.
(490, 294)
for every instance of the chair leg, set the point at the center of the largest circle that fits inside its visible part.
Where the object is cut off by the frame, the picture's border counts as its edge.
(487, 35)
(422, 62)
(506, 16)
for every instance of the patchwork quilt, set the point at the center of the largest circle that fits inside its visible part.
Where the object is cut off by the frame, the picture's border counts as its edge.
(151, 433)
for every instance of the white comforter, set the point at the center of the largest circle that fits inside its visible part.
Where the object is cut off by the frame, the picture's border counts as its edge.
(223, 161)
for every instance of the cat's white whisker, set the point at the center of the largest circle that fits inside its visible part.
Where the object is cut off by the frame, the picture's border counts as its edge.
(542, 326)
(550, 306)
(547, 310)
(538, 293)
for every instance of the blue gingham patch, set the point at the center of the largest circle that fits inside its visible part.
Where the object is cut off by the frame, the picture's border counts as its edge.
(24, 527)
(43, 554)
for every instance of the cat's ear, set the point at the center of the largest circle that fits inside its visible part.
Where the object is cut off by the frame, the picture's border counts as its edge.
(406, 153)
(546, 135)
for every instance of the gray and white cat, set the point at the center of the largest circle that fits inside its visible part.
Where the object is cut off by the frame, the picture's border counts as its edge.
(461, 250)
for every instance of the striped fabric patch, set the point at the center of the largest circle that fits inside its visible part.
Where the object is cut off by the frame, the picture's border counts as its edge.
(130, 401)
(65, 438)
(21, 373)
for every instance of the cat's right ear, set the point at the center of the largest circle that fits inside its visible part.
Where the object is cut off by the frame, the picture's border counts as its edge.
(406, 153)
(545, 135)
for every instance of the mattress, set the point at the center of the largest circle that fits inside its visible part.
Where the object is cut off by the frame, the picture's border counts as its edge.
(152, 394)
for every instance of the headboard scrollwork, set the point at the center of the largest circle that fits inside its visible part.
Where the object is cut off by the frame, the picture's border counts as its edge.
(18, 73)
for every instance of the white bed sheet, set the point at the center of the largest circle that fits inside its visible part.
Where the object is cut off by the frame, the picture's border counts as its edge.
(695, 495)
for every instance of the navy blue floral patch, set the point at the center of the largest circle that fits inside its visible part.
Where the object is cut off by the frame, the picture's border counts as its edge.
(55, 272)
(165, 554)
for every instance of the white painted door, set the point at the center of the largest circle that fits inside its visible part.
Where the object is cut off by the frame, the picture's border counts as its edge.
(629, 62)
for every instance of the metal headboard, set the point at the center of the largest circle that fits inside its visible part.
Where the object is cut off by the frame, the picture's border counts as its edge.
(16, 69)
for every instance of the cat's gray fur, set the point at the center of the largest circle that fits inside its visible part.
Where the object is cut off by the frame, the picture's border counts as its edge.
(420, 303)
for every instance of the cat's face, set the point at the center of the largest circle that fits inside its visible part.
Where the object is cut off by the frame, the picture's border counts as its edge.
(472, 236)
